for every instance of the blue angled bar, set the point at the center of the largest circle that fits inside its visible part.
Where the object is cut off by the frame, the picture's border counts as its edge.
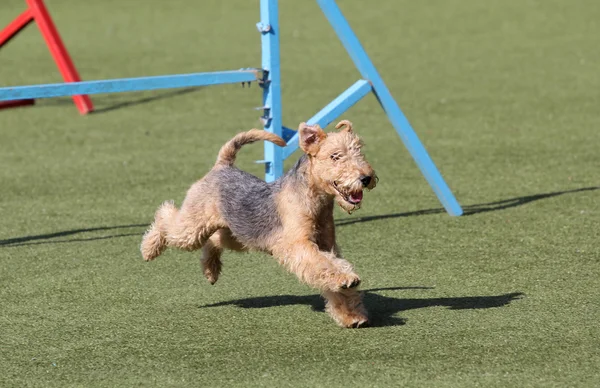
(288, 134)
(128, 84)
(395, 115)
(334, 109)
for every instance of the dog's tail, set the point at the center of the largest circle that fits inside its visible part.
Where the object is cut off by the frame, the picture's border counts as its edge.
(229, 150)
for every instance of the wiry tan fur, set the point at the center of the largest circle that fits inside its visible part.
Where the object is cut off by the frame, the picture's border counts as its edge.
(303, 237)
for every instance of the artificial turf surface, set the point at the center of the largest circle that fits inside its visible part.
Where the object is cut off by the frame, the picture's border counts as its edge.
(504, 95)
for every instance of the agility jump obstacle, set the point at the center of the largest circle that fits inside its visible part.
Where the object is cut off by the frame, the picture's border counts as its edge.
(269, 78)
(36, 12)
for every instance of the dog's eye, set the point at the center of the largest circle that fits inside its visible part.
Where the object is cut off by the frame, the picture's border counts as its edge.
(335, 156)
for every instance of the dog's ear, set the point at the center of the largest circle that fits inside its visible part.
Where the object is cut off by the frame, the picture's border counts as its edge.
(311, 137)
(347, 126)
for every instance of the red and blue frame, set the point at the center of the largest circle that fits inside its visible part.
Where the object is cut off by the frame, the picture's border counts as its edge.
(37, 12)
(268, 76)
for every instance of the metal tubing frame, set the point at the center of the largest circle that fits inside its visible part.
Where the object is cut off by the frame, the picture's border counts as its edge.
(6, 35)
(270, 81)
(37, 12)
(407, 134)
(16, 26)
(58, 51)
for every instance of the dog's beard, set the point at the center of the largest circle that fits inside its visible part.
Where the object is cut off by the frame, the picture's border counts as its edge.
(347, 206)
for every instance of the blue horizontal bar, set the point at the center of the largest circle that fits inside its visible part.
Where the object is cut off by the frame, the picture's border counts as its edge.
(127, 84)
(333, 110)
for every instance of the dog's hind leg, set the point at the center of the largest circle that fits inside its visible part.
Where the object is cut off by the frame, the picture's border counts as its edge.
(212, 250)
(319, 269)
(211, 260)
(154, 242)
(188, 228)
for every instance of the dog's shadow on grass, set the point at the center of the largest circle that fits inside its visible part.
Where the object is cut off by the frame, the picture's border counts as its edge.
(55, 238)
(382, 308)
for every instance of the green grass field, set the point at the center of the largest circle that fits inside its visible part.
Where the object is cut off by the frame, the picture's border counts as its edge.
(504, 95)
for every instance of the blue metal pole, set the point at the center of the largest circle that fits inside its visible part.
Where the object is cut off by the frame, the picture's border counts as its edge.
(395, 115)
(269, 29)
(127, 84)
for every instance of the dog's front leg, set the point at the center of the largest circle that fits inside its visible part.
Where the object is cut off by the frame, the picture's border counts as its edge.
(335, 278)
(326, 235)
(320, 269)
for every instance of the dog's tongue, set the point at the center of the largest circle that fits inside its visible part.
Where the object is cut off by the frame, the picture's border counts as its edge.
(356, 197)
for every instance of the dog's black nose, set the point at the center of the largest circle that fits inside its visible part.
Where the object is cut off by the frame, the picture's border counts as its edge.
(365, 180)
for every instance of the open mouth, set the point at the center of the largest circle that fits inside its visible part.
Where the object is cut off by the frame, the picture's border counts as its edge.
(354, 197)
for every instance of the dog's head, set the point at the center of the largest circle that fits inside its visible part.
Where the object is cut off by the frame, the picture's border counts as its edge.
(338, 165)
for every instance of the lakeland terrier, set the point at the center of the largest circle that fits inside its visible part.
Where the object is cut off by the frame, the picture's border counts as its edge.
(290, 219)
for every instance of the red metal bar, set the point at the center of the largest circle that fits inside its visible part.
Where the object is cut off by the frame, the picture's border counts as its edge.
(16, 103)
(58, 51)
(6, 35)
(15, 27)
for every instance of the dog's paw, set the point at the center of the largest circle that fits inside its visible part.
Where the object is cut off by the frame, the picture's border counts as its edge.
(212, 279)
(211, 271)
(358, 322)
(353, 319)
(347, 308)
(347, 281)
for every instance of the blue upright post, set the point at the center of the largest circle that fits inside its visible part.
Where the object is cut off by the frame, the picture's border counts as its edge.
(269, 29)
(399, 121)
